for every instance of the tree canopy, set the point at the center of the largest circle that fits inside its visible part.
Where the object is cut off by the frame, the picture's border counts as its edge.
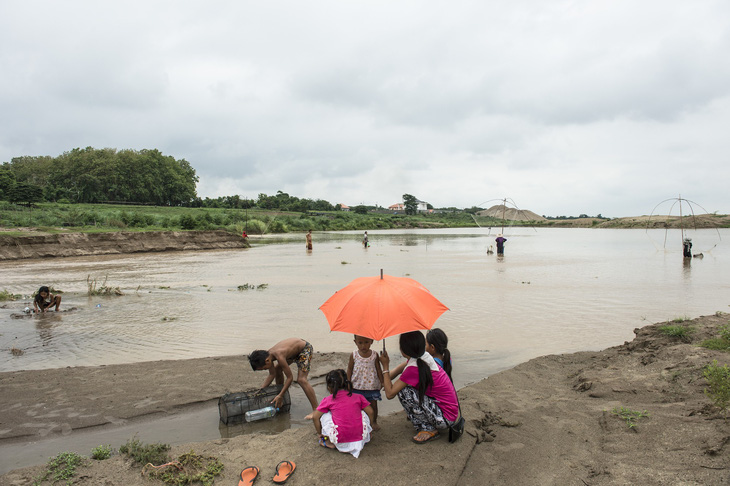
(410, 203)
(106, 175)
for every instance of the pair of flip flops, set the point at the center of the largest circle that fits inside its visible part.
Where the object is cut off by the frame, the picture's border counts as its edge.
(283, 471)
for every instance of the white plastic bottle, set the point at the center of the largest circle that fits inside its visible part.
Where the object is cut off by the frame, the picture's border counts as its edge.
(260, 414)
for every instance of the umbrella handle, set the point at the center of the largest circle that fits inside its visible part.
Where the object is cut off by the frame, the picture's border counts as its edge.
(383, 344)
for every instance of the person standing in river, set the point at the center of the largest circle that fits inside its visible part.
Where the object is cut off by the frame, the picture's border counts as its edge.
(500, 244)
(309, 240)
(687, 247)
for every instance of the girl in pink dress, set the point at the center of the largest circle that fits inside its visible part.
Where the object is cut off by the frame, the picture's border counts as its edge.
(342, 419)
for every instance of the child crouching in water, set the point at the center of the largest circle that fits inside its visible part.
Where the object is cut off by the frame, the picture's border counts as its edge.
(366, 375)
(44, 300)
(342, 419)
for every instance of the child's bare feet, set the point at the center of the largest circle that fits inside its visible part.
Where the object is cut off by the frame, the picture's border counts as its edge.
(376, 427)
(326, 443)
(309, 417)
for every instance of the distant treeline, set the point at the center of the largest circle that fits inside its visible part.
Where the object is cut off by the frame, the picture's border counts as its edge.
(147, 177)
(281, 201)
(99, 175)
(140, 177)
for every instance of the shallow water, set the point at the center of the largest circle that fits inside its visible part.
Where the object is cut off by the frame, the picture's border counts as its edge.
(554, 291)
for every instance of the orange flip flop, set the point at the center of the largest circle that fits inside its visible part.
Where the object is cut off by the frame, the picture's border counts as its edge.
(248, 476)
(283, 470)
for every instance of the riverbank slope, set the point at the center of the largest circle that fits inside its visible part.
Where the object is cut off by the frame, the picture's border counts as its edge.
(85, 244)
(548, 421)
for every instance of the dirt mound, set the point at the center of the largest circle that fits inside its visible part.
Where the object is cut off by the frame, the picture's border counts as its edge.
(510, 214)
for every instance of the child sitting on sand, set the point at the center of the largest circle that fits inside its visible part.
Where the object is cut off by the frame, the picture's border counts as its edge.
(343, 419)
(44, 300)
(365, 374)
(277, 361)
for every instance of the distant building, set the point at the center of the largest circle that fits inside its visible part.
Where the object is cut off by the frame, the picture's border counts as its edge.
(344, 207)
(421, 206)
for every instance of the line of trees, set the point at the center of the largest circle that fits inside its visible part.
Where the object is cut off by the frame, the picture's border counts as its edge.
(100, 175)
(280, 201)
(134, 177)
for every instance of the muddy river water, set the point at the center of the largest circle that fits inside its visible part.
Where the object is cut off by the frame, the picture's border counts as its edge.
(554, 291)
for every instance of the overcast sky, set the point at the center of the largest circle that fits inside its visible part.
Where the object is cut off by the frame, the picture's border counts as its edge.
(565, 107)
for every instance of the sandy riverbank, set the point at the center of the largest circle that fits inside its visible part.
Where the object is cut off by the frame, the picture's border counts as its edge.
(85, 244)
(547, 421)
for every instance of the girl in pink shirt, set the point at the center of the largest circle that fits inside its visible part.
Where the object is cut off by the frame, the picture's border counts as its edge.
(423, 388)
(342, 419)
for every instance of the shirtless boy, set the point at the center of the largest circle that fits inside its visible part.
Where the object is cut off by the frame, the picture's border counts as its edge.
(277, 361)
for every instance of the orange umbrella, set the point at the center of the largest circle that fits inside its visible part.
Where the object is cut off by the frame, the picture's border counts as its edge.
(378, 307)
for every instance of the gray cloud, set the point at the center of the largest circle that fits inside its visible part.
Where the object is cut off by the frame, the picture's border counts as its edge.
(566, 107)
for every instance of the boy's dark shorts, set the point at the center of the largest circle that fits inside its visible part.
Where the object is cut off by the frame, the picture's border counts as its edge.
(370, 395)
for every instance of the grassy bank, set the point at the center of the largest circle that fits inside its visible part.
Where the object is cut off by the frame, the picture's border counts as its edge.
(55, 217)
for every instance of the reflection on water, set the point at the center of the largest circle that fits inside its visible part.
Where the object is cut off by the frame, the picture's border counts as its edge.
(686, 267)
(554, 291)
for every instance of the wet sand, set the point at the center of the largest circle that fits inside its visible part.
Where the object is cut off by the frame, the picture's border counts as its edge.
(546, 421)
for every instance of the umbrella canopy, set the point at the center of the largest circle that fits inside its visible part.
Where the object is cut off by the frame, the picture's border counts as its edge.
(379, 307)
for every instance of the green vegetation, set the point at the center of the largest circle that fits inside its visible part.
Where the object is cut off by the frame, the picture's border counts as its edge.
(101, 452)
(96, 175)
(248, 286)
(5, 295)
(61, 468)
(89, 189)
(677, 332)
(145, 453)
(103, 289)
(189, 468)
(721, 343)
(681, 319)
(91, 218)
(410, 203)
(629, 416)
(718, 381)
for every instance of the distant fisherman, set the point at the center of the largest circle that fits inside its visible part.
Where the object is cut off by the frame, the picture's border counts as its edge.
(687, 247)
(500, 244)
